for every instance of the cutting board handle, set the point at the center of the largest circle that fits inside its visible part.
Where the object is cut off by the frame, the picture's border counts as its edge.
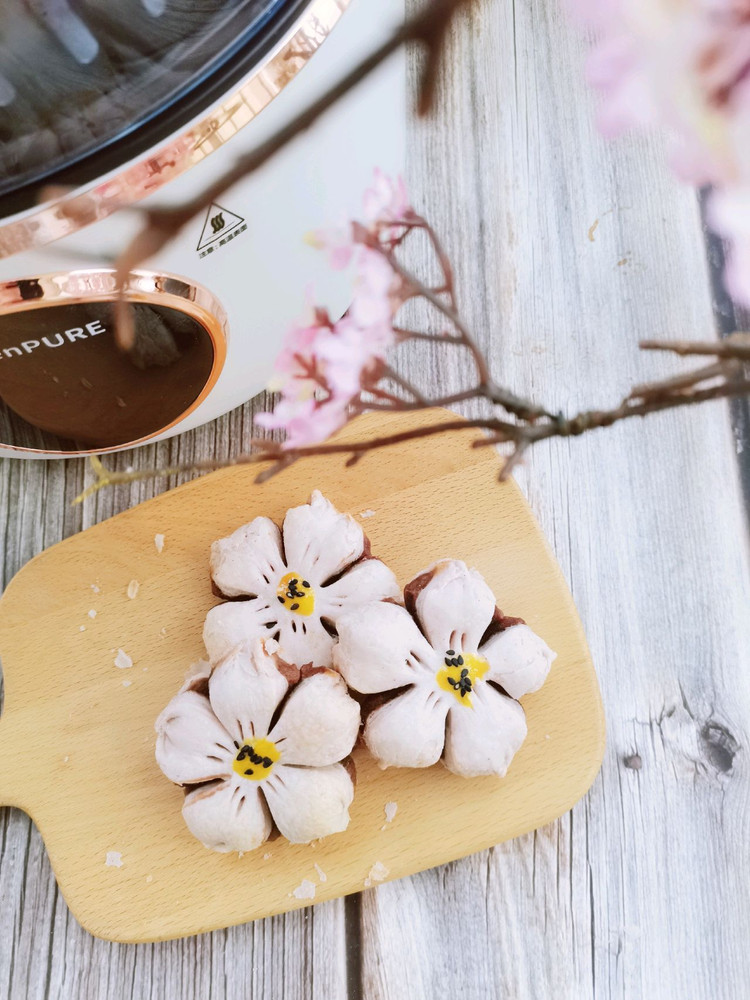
(12, 779)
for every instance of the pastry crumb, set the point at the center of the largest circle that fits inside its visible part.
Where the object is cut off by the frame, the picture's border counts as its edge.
(321, 874)
(271, 646)
(122, 660)
(390, 809)
(547, 736)
(92, 613)
(95, 588)
(267, 855)
(66, 759)
(367, 513)
(133, 588)
(163, 632)
(126, 684)
(314, 843)
(377, 873)
(305, 890)
(81, 628)
(149, 878)
(114, 859)
(159, 543)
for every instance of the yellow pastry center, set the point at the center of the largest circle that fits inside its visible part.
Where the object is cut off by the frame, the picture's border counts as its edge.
(255, 759)
(460, 673)
(296, 594)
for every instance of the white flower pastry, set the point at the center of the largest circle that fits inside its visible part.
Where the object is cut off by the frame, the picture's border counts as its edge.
(251, 753)
(454, 666)
(295, 582)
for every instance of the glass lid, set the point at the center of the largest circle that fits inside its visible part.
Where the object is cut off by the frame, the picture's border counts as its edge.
(78, 75)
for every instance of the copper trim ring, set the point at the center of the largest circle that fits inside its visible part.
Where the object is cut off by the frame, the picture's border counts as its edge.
(99, 284)
(73, 211)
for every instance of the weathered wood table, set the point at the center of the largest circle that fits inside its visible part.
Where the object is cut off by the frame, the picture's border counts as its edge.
(568, 249)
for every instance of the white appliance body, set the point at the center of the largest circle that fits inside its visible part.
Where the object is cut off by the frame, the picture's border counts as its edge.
(265, 272)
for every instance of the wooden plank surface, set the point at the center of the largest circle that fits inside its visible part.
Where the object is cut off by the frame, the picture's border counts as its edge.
(641, 891)
(569, 249)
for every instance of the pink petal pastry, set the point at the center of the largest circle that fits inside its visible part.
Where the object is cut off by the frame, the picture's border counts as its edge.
(310, 803)
(225, 817)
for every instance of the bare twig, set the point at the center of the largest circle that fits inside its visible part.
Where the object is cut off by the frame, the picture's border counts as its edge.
(420, 399)
(486, 388)
(736, 345)
(684, 381)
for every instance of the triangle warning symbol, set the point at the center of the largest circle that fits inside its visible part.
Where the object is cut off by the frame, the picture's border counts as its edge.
(218, 223)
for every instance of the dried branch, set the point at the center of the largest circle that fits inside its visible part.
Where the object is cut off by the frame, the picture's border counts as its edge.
(428, 27)
(486, 387)
(736, 345)
(311, 387)
(659, 396)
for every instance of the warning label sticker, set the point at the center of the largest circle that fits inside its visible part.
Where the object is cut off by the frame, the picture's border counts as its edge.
(220, 227)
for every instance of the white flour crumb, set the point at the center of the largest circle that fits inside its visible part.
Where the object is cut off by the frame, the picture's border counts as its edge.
(390, 809)
(145, 670)
(65, 760)
(266, 856)
(163, 632)
(133, 587)
(149, 878)
(240, 854)
(547, 736)
(159, 543)
(81, 628)
(126, 684)
(367, 513)
(378, 872)
(122, 660)
(114, 859)
(95, 588)
(321, 874)
(305, 890)
(92, 613)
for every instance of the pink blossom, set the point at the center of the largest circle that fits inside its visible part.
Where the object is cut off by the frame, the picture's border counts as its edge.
(336, 363)
(299, 344)
(338, 243)
(386, 200)
(684, 66)
(348, 356)
(306, 421)
(375, 288)
(323, 366)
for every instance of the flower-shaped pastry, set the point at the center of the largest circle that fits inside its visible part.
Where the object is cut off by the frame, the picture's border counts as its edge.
(294, 587)
(454, 665)
(251, 756)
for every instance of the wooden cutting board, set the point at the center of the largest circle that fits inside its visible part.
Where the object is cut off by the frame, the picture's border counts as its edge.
(77, 736)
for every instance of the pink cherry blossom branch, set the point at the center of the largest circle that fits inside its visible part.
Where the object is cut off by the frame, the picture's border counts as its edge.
(735, 381)
(329, 371)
